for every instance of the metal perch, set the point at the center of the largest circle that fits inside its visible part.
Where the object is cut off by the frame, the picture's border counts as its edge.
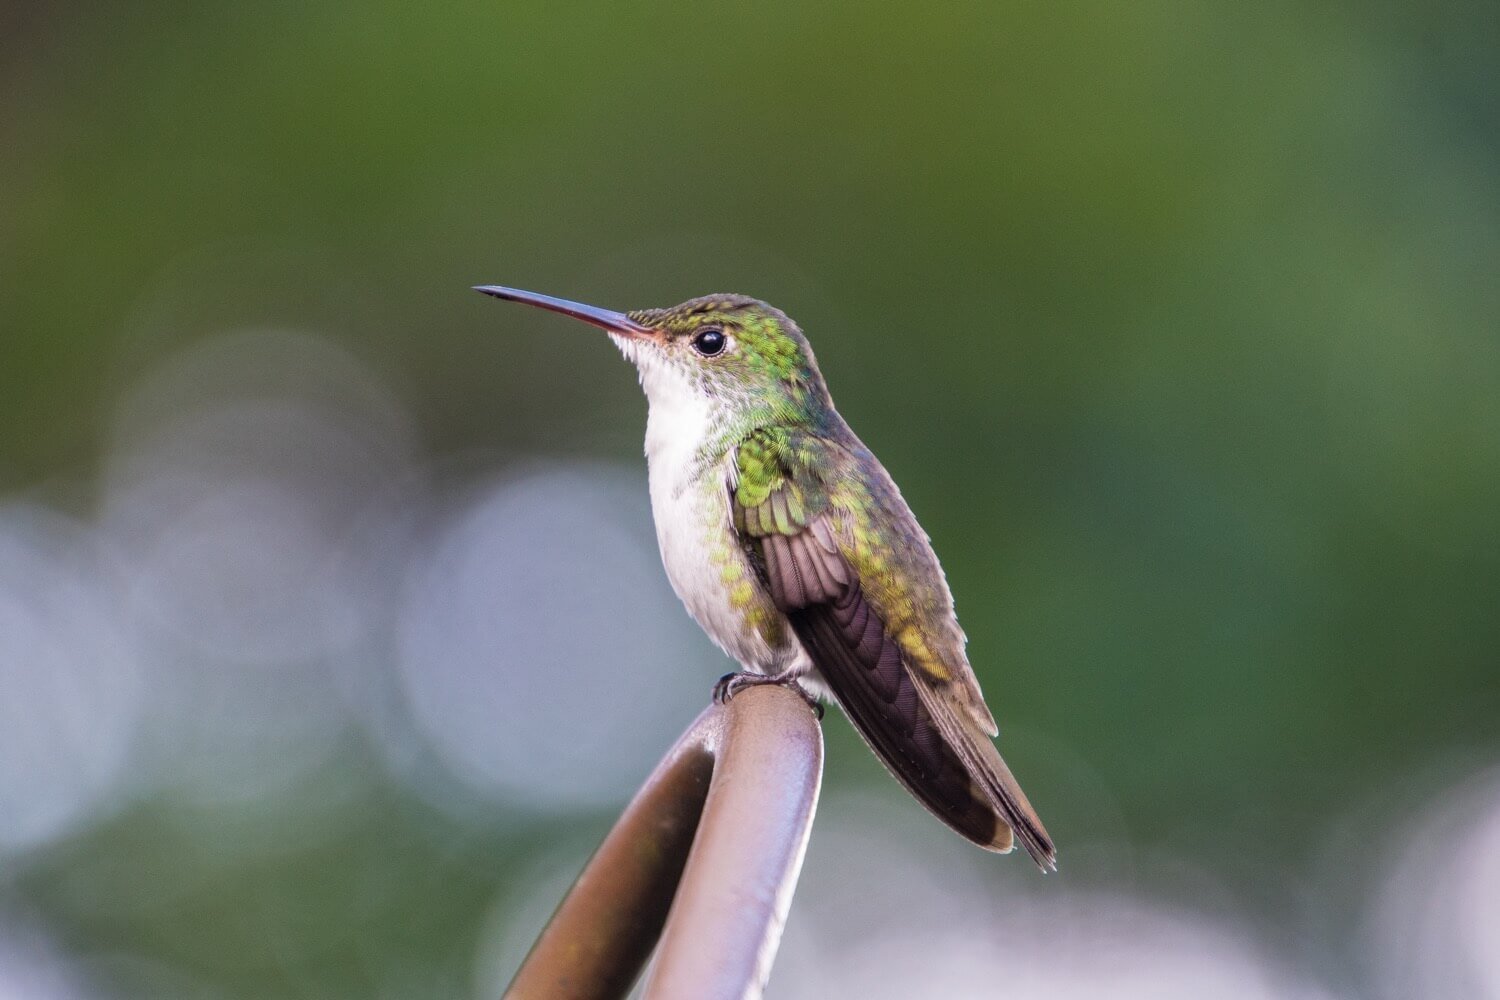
(705, 857)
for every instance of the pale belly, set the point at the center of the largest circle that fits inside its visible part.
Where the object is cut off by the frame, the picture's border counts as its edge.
(712, 575)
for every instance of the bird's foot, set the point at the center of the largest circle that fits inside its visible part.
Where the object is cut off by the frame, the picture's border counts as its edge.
(733, 683)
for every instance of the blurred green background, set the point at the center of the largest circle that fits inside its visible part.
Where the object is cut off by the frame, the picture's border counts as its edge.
(1176, 323)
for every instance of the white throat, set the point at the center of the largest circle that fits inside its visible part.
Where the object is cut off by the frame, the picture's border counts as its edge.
(680, 418)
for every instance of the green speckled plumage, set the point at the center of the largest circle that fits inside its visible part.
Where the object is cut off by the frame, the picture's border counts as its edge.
(796, 458)
(789, 477)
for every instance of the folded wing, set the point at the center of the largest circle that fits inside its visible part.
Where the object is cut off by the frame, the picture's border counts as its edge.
(924, 720)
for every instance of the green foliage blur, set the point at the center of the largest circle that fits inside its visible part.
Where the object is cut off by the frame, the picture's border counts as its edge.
(1176, 323)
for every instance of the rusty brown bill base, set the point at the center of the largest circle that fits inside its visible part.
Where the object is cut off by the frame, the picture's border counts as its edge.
(705, 857)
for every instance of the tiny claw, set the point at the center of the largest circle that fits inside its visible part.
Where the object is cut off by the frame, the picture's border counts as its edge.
(734, 682)
(724, 688)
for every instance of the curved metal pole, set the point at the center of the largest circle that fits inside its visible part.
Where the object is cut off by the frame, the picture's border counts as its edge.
(725, 925)
(710, 848)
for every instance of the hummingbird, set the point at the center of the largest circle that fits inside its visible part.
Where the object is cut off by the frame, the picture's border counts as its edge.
(791, 546)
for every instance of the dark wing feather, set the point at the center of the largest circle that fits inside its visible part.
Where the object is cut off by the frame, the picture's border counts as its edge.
(863, 668)
(936, 752)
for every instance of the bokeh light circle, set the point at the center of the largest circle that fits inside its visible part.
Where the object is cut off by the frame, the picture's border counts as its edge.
(539, 641)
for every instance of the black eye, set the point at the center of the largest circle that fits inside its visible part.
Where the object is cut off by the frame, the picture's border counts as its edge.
(709, 342)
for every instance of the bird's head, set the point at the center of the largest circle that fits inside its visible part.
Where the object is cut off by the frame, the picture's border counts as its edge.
(744, 356)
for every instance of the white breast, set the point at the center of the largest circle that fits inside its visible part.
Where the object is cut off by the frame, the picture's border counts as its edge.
(690, 505)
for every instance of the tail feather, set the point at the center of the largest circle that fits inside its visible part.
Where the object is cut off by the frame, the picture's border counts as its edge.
(995, 780)
(942, 759)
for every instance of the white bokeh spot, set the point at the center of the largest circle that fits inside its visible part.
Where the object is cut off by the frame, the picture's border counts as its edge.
(540, 641)
(72, 698)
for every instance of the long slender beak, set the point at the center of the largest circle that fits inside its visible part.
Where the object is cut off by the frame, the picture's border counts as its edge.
(615, 322)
